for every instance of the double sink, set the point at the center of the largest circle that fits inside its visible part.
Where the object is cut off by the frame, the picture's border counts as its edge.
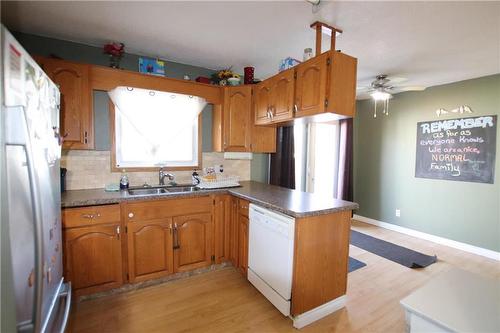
(137, 191)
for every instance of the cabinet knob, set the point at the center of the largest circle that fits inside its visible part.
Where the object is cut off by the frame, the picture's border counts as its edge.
(130, 215)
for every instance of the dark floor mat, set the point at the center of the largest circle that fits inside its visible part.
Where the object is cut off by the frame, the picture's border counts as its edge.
(393, 252)
(355, 264)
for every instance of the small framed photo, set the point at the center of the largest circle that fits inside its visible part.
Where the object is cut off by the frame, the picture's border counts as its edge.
(151, 66)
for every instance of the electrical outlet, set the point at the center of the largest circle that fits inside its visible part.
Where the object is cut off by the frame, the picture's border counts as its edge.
(398, 212)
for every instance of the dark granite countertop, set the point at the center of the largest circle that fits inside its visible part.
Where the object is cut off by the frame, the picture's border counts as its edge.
(290, 202)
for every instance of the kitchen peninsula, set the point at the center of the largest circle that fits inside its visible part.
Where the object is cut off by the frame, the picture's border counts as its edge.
(173, 233)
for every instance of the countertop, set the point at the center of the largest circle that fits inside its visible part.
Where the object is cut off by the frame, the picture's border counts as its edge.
(458, 300)
(290, 202)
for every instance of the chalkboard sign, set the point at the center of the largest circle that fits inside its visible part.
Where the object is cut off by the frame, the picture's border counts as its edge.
(457, 149)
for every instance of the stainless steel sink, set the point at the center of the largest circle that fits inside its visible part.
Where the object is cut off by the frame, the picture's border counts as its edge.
(147, 191)
(137, 191)
(182, 189)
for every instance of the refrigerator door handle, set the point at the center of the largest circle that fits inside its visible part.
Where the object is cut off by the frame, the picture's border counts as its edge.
(16, 136)
(67, 295)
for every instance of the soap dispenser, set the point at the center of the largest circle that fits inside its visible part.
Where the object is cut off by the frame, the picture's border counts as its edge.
(124, 181)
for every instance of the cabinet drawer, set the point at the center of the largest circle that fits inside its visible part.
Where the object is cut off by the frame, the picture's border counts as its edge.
(243, 207)
(158, 209)
(91, 215)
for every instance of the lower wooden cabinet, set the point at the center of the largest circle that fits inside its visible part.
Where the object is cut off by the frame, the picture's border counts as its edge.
(222, 228)
(243, 224)
(193, 241)
(154, 239)
(233, 232)
(93, 258)
(150, 249)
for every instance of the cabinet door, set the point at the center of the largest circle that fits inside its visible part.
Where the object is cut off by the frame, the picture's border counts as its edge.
(222, 219)
(193, 242)
(93, 258)
(233, 232)
(282, 102)
(310, 87)
(262, 102)
(150, 249)
(237, 104)
(76, 112)
(243, 244)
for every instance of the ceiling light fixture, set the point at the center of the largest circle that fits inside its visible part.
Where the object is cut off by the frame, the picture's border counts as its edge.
(384, 97)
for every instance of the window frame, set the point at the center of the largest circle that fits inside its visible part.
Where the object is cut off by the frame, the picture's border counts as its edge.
(114, 168)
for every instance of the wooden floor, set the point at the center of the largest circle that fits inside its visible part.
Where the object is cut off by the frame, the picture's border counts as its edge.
(222, 301)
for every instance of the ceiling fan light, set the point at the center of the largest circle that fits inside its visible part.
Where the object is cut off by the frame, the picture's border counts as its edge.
(380, 95)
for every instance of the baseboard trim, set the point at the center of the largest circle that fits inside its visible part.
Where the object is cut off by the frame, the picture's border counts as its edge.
(436, 239)
(321, 311)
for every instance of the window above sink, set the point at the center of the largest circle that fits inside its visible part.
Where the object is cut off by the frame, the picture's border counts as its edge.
(154, 129)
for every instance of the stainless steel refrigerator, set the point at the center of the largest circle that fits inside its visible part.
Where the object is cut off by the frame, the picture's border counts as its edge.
(34, 295)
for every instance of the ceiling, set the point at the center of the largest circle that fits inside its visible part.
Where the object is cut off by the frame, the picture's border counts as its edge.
(430, 43)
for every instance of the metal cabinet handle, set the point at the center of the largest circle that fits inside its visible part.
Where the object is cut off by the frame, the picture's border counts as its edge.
(118, 232)
(176, 237)
(130, 215)
(91, 216)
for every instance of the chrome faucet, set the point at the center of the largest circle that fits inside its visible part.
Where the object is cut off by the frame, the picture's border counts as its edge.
(162, 175)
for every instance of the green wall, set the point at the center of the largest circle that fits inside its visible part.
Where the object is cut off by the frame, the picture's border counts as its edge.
(259, 167)
(384, 167)
(93, 55)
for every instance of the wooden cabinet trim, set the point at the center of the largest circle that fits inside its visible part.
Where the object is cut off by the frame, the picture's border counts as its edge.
(105, 78)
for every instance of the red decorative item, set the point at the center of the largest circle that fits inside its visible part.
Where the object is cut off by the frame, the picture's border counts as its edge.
(203, 79)
(115, 51)
(248, 75)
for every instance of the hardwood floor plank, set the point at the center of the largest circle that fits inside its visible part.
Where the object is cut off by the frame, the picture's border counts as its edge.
(223, 301)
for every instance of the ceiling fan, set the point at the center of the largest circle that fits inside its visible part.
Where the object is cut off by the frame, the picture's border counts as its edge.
(382, 89)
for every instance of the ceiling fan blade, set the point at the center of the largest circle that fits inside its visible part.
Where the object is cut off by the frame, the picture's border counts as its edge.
(362, 96)
(409, 88)
(396, 79)
(362, 88)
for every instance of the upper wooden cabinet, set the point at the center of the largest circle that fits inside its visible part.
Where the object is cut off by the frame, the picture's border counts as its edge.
(341, 92)
(310, 88)
(274, 99)
(236, 112)
(233, 128)
(322, 89)
(76, 98)
(262, 102)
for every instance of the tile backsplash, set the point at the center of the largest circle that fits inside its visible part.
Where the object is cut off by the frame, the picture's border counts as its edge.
(92, 169)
